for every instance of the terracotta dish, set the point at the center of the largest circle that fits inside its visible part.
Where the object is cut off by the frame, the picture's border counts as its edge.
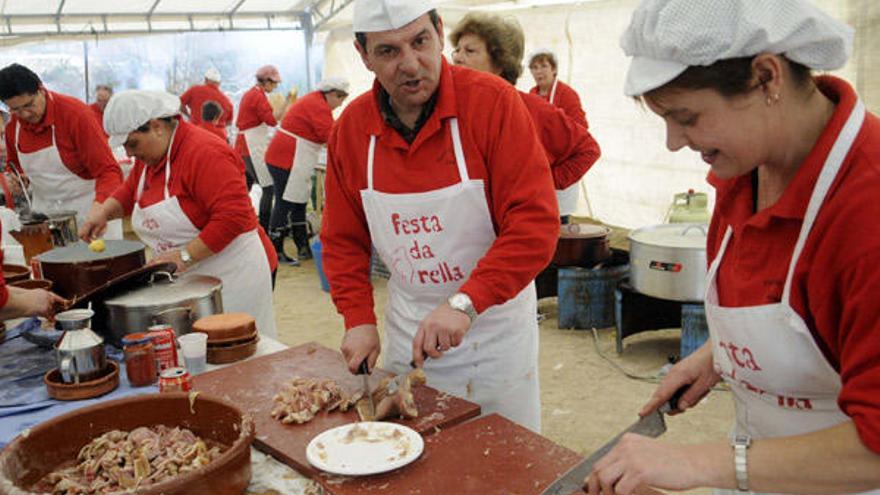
(48, 445)
(231, 353)
(15, 273)
(30, 284)
(59, 390)
(226, 327)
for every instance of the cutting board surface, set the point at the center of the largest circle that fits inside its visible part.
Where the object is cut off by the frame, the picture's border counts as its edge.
(252, 384)
(486, 456)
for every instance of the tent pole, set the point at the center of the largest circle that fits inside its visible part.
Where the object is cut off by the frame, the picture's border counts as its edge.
(86, 64)
(308, 32)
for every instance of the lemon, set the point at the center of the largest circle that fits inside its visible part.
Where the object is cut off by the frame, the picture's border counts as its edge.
(98, 245)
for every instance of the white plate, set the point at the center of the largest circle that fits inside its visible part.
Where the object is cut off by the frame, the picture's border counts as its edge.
(364, 448)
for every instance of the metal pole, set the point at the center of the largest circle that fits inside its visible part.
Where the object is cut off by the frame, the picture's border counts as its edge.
(308, 33)
(86, 60)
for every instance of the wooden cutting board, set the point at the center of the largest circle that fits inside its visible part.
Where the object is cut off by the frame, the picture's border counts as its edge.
(486, 456)
(251, 385)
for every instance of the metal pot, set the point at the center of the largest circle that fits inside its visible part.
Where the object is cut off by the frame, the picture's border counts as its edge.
(76, 270)
(669, 261)
(583, 245)
(62, 224)
(80, 351)
(176, 301)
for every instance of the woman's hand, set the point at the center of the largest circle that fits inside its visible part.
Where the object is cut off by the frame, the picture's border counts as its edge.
(31, 302)
(171, 257)
(95, 224)
(696, 371)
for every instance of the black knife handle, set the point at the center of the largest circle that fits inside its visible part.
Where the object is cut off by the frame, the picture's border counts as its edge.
(673, 401)
(364, 368)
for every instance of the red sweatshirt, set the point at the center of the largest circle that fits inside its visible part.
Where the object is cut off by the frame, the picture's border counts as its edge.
(253, 110)
(197, 95)
(208, 180)
(500, 147)
(568, 100)
(309, 118)
(837, 278)
(81, 143)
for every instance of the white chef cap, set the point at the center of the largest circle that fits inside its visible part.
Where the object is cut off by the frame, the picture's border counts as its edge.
(541, 51)
(333, 83)
(665, 37)
(371, 16)
(128, 110)
(213, 74)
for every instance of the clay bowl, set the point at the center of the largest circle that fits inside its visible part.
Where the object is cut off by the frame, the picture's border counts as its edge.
(59, 390)
(28, 458)
(15, 273)
(226, 327)
(224, 354)
(37, 283)
(233, 340)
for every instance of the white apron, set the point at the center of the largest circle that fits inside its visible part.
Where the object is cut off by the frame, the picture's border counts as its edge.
(782, 384)
(553, 90)
(568, 199)
(431, 241)
(242, 265)
(305, 159)
(257, 140)
(56, 188)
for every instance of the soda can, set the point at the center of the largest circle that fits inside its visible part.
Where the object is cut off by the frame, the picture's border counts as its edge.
(165, 346)
(36, 268)
(175, 379)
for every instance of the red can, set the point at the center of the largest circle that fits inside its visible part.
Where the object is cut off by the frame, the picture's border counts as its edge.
(36, 268)
(164, 345)
(175, 379)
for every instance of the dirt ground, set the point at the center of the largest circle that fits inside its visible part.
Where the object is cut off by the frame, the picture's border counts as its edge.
(586, 399)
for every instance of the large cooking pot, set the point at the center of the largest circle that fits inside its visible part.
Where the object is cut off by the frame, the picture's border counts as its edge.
(34, 235)
(669, 261)
(76, 269)
(176, 301)
(583, 245)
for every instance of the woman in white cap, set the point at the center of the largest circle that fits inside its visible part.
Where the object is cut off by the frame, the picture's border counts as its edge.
(292, 157)
(188, 201)
(794, 248)
(255, 117)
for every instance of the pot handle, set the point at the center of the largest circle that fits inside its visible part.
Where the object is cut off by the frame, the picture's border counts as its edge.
(163, 273)
(157, 318)
(701, 228)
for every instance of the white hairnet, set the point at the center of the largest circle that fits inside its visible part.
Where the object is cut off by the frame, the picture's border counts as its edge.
(372, 16)
(540, 51)
(213, 74)
(665, 37)
(333, 83)
(128, 110)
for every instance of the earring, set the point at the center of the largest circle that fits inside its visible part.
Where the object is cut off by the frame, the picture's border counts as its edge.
(772, 99)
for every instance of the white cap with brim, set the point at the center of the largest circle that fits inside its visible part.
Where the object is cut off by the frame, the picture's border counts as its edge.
(371, 16)
(213, 74)
(665, 37)
(333, 84)
(540, 51)
(129, 110)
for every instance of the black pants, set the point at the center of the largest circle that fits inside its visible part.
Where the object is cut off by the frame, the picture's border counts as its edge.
(280, 218)
(266, 200)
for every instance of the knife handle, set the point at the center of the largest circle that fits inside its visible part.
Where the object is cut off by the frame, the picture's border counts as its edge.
(364, 368)
(673, 401)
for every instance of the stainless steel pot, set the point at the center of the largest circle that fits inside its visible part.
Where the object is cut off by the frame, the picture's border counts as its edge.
(62, 223)
(80, 351)
(669, 261)
(177, 301)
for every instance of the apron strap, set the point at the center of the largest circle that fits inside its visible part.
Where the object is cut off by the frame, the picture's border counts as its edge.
(370, 155)
(829, 171)
(459, 151)
(553, 90)
(140, 188)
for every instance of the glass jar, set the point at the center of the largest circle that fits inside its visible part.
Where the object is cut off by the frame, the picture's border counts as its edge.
(140, 359)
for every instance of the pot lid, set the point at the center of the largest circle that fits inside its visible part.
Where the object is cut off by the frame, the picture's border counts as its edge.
(164, 292)
(583, 231)
(60, 214)
(674, 235)
(80, 252)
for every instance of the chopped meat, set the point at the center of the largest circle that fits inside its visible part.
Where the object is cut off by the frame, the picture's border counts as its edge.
(303, 398)
(124, 461)
(393, 398)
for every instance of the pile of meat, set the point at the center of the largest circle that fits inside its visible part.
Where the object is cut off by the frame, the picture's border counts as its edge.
(124, 461)
(303, 398)
(393, 398)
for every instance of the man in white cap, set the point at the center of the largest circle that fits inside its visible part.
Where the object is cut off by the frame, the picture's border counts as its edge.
(292, 156)
(192, 100)
(794, 249)
(439, 167)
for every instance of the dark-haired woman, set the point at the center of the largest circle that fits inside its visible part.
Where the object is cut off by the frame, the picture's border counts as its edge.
(794, 248)
(188, 201)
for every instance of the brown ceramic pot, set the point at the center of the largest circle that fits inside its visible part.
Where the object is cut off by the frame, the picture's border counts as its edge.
(76, 270)
(37, 283)
(226, 327)
(583, 245)
(104, 384)
(15, 273)
(223, 354)
(57, 441)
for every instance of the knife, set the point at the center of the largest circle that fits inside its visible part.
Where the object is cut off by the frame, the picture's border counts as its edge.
(364, 370)
(652, 425)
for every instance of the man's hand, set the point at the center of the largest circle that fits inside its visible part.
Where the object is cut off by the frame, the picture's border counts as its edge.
(360, 342)
(440, 331)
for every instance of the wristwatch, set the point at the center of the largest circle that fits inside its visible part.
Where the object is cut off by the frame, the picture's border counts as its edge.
(741, 444)
(462, 302)
(187, 259)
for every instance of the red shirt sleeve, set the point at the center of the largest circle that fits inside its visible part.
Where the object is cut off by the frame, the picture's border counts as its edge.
(95, 154)
(264, 111)
(186, 98)
(126, 191)
(226, 105)
(568, 100)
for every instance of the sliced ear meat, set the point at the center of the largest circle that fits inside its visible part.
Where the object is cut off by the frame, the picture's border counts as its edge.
(393, 401)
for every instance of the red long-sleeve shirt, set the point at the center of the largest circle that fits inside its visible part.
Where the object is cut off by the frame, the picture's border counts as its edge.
(570, 147)
(207, 179)
(568, 100)
(215, 129)
(309, 118)
(836, 283)
(253, 110)
(500, 147)
(197, 95)
(81, 143)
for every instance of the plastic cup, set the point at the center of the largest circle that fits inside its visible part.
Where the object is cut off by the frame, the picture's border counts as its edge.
(194, 347)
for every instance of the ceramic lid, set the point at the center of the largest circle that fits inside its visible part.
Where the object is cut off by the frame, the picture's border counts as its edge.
(80, 252)
(674, 235)
(163, 292)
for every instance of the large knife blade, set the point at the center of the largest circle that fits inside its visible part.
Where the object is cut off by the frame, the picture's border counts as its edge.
(652, 425)
(364, 371)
